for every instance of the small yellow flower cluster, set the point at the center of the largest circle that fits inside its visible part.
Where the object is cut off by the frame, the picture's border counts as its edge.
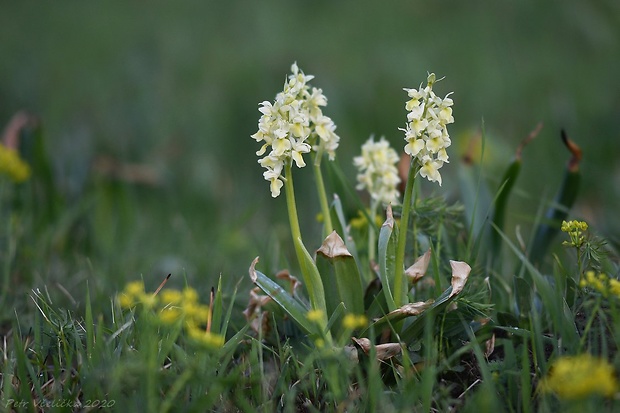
(575, 230)
(353, 321)
(360, 221)
(12, 165)
(172, 306)
(314, 315)
(577, 377)
(602, 283)
(134, 294)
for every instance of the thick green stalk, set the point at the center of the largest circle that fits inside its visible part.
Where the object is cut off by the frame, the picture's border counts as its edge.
(292, 209)
(372, 240)
(310, 273)
(320, 187)
(402, 238)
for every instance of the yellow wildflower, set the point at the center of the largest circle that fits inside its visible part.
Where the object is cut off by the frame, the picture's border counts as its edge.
(601, 283)
(576, 377)
(198, 313)
(360, 221)
(614, 287)
(125, 301)
(148, 300)
(314, 315)
(11, 164)
(575, 230)
(170, 314)
(131, 295)
(190, 295)
(171, 297)
(134, 288)
(206, 338)
(353, 321)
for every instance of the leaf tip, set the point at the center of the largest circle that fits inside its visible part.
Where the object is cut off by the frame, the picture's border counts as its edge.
(460, 272)
(389, 217)
(419, 267)
(252, 270)
(334, 246)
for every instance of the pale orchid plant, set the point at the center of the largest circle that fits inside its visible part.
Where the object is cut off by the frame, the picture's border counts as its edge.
(293, 126)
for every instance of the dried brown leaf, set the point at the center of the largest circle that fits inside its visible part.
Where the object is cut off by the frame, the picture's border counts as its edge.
(294, 282)
(334, 246)
(418, 269)
(460, 272)
(412, 309)
(252, 270)
(383, 351)
(389, 217)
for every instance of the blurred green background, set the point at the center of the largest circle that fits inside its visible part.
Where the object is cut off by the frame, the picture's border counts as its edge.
(175, 87)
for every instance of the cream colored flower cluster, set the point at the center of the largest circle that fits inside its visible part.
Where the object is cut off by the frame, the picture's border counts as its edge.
(290, 125)
(378, 173)
(427, 133)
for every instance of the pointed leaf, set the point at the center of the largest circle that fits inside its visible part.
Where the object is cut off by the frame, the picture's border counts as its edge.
(312, 278)
(345, 274)
(218, 309)
(388, 239)
(288, 303)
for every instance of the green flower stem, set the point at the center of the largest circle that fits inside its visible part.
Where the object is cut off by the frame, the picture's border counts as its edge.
(372, 231)
(320, 187)
(399, 268)
(309, 271)
(290, 203)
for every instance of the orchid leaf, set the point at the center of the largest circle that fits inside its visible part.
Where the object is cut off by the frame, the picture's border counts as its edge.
(287, 302)
(388, 240)
(342, 271)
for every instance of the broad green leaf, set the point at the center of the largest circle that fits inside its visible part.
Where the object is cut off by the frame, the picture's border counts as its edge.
(312, 278)
(344, 273)
(332, 296)
(288, 303)
(388, 240)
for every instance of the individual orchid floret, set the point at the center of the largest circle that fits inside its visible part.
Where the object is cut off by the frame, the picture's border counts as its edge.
(293, 125)
(426, 133)
(378, 173)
